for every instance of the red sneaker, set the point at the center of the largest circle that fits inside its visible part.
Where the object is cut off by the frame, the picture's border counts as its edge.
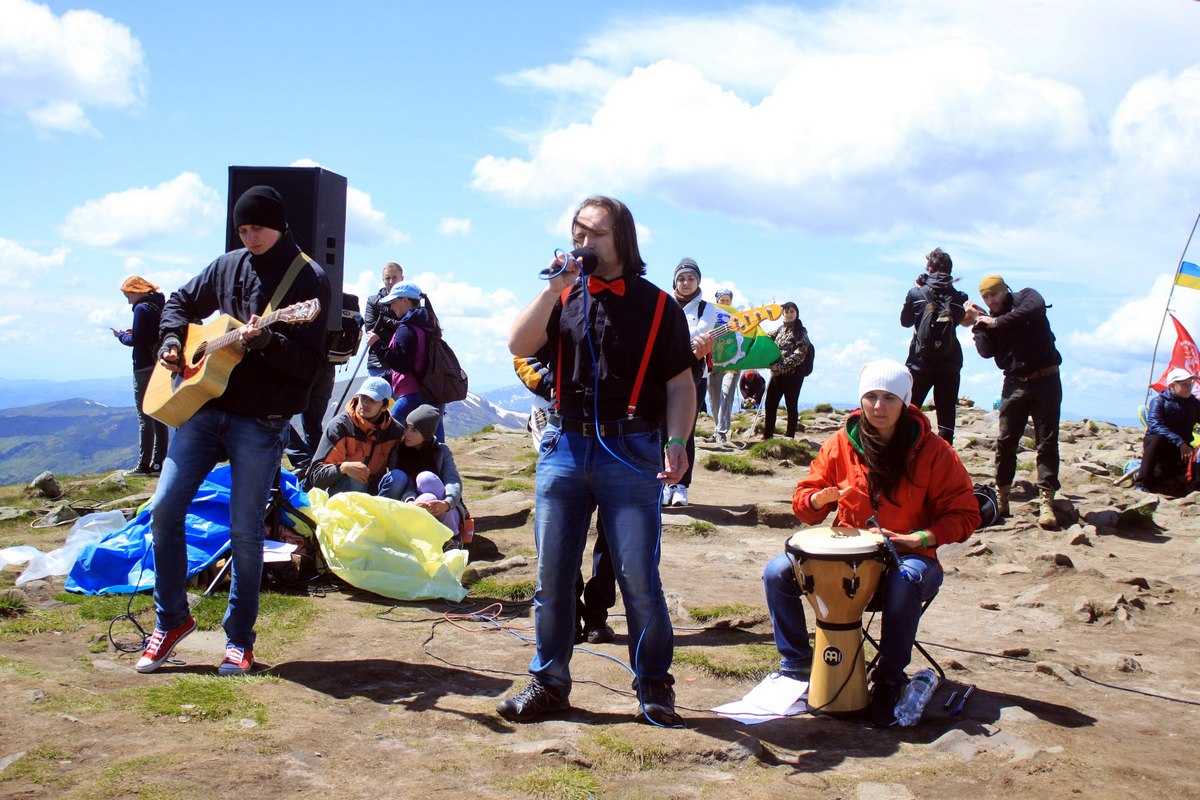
(162, 644)
(238, 661)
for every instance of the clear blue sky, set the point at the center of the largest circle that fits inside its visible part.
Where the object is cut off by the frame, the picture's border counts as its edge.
(807, 151)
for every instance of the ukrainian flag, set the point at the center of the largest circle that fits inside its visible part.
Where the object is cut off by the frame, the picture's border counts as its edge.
(1189, 275)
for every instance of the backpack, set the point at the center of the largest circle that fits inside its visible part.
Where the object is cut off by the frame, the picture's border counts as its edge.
(934, 338)
(806, 367)
(341, 345)
(989, 504)
(444, 380)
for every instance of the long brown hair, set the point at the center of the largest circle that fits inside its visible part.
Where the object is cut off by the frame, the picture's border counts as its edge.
(887, 462)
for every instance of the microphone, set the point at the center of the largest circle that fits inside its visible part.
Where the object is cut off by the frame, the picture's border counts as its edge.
(584, 258)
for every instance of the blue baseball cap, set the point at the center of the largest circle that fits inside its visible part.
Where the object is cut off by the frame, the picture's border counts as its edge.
(376, 389)
(403, 289)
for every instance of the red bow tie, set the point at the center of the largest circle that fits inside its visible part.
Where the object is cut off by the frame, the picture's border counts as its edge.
(596, 286)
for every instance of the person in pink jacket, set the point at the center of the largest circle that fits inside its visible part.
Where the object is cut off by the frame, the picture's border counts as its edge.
(887, 471)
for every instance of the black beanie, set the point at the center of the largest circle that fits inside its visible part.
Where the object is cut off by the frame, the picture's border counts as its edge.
(685, 265)
(260, 205)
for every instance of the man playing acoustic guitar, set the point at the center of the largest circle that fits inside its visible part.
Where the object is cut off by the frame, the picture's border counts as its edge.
(245, 424)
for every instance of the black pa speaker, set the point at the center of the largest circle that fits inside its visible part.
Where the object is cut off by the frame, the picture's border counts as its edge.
(315, 201)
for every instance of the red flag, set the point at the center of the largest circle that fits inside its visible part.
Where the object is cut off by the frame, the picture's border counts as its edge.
(1184, 355)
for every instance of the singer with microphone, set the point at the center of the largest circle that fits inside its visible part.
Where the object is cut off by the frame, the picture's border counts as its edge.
(625, 365)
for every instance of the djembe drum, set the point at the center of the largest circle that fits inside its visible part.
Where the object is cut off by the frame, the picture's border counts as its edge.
(838, 570)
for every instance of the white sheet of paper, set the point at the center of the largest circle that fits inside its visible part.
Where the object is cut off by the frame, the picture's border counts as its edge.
(277, 551)
(776, 696)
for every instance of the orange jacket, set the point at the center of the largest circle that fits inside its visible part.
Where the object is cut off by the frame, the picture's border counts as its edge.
(935, 496)
(350, 437)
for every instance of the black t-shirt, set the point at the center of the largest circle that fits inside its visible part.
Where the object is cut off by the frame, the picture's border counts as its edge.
(620, 327)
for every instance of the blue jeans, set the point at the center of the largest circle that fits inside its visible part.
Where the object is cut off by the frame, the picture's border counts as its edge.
(576, 475)
(391, 485)
(902, 601)
(410, 402)
(254, 448)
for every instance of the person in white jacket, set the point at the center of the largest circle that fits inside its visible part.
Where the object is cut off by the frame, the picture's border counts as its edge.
(701, 318)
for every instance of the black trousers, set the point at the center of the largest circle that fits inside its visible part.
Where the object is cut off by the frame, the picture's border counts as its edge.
(1161, 462)
(1041, 399)
(786, 387)
(302, 444)
(945, 396)
(599, 594)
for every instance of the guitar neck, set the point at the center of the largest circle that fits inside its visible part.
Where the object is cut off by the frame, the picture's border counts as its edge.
(234, 335)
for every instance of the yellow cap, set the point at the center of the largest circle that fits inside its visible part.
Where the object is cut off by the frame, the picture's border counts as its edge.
(990, 283)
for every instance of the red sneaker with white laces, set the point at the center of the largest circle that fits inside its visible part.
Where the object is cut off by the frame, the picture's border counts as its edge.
(162, 644)
(238, 661)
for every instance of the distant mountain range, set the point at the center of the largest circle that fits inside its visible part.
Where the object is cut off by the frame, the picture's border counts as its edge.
(49, 425)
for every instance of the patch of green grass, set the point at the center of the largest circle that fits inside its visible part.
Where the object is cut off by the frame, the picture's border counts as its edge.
(1093, 426)
(40, 621)
(103, 607)
(800, 453)
(12, 607)
(1026, 466)
(607, 746)
(698, 527)
(14, 667)
(210, 697)
(709, 613)
(284, 618)
(509, 485)
(491, 588)
(129, 779)
(38, 767)
(744, 662)
(1028, 443)
(556, 783)
(822, 408)
(736, 465)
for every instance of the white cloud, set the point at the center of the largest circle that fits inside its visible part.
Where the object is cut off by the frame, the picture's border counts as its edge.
(1125, 339)
(22, 267)
(180, 206)
(454, 226)
(842, 140)
(56, 66)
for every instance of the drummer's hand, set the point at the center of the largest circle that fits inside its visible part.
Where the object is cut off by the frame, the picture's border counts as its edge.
(823, 497)
(902, 541)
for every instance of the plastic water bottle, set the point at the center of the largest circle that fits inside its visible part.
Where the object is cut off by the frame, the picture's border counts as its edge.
(916, 695)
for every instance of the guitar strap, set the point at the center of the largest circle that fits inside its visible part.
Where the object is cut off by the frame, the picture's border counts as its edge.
(297, 264)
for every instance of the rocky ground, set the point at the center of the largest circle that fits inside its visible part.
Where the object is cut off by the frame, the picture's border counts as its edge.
(1081, 641)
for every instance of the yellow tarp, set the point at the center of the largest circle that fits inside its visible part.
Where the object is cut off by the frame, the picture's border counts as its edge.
(387, 547)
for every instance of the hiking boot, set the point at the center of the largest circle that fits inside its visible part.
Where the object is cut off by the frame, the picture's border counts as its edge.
(162, 645)
(534, 701)
(885, 694)
(680, 496)
(667, 493)
(658, 705)
(238, 661)
(599, 634)
(1046, 516)
(1002, 493)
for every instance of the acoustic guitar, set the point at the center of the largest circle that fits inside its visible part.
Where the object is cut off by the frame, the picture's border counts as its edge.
(206, 361)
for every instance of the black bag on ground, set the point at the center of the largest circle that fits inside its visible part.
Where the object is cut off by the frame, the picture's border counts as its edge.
(989, 505)
(444, 381)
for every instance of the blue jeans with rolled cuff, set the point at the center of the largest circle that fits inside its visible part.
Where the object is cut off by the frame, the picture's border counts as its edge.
(253, 448)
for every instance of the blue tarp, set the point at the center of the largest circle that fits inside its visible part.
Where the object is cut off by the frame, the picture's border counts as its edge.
(123, 561)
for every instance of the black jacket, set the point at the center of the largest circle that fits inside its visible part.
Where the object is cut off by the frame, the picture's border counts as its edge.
(378, 317)
(273, 380)
(1021, 341)
(143, 336)
(941, 286)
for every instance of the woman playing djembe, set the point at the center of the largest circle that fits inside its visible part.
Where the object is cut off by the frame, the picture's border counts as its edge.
(886, 471)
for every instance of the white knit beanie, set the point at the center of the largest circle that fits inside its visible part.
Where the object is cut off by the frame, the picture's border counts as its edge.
(888, 376)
